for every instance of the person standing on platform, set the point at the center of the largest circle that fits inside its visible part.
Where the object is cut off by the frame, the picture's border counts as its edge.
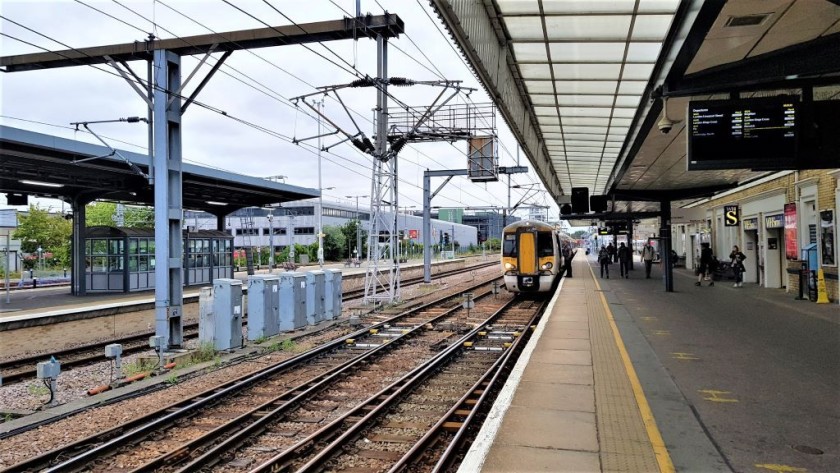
(624, 260)
(604, 259)
(567, 258)
(611, 251)
(647, 257)
(737, 260)
(706, 262)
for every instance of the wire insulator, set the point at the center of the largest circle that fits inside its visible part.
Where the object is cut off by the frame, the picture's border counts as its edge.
(398, 145)
(364, 82)
(368, 145)
(400, 81)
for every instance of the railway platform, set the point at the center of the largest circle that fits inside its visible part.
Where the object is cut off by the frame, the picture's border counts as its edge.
(621, 376)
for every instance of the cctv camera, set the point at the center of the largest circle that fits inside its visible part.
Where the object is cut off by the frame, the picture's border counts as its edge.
(665, 125)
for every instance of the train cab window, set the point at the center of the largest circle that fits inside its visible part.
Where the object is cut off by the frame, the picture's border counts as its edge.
(509, 246)
(545, 244)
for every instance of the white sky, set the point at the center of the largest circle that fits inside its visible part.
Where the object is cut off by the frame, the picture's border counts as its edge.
(47, 101)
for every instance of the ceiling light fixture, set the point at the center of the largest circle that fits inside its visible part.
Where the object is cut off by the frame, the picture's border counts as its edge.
(213, 202)
(40, 183)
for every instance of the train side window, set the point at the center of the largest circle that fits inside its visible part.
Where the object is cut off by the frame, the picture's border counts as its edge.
(509, 246)
(545, 244)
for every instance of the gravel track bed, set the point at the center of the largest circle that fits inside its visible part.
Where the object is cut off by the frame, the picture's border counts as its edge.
(399, 430)
(342, 396)
(74, 383)
(45, 438)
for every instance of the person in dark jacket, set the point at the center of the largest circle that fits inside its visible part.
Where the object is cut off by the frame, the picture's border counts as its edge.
(624, 260)
(612, 252)
(737, 260)
(706, 262)
(604, 259)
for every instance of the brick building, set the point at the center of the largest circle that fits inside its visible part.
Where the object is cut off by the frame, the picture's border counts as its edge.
(784, 220)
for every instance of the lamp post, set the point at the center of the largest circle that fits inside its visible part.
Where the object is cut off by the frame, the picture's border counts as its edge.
(405, 226)
(270, 242)
(320, 104)
(358, 249)
(320, 224)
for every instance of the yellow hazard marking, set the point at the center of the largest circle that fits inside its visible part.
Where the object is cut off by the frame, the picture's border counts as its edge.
(648, 319)
(482, 334)
(351, 340)
(374, 331)
(775, 467)
(716, 396)
(660, 451)
(662, 332)
(684, 356)
(468, 344)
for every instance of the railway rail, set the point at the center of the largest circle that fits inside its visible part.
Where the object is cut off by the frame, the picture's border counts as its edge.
(323, 363)
(23, 369)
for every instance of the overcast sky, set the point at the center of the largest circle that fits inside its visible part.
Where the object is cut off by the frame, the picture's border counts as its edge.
(252, 86)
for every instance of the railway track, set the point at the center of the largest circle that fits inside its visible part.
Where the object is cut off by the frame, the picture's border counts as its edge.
(22, 369)
(163, 437)
(433, 405)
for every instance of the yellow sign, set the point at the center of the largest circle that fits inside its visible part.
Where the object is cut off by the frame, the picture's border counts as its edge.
(822, 295)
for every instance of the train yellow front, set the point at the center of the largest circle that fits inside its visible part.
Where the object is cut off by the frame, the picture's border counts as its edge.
(531, 256)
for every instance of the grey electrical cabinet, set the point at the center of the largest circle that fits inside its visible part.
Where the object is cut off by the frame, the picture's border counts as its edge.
(332, 294)
(292, 301)
(314, 297)
(227, 313)
(263, 306)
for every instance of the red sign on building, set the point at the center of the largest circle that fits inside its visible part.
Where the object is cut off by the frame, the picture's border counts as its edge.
(791, 249)
(412, 234)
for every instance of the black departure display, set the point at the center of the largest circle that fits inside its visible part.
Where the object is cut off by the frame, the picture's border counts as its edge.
(743, 134)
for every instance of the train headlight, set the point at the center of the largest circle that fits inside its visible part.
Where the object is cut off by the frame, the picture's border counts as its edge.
(510, 267)
(547, 266)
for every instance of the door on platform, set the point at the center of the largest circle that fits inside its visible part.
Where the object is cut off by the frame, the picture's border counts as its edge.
(751, 252)
(774, 248)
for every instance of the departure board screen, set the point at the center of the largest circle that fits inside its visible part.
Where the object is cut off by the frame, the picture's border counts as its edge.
(757, 133)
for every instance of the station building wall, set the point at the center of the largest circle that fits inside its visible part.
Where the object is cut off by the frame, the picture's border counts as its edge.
(761, 234)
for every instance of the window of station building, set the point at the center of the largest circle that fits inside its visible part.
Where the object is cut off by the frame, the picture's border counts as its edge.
(199, 253)
(221, 252)
(304, 230)
(104, 254)
(827, 238)
(279, 231)
(141, 254)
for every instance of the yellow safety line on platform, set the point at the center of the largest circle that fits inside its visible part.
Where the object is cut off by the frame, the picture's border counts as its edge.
(660, 451)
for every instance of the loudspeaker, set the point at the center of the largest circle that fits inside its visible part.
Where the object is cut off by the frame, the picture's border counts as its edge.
(598, 203)
(565, 209)
(580, 200)
(17, 199)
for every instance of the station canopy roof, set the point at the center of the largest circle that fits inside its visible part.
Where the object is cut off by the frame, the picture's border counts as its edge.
(43, 165)
(580, 82)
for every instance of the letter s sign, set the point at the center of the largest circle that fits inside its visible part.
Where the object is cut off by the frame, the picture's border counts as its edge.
(731, 216)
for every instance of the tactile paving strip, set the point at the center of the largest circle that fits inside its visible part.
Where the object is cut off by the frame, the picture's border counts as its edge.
(624, 442)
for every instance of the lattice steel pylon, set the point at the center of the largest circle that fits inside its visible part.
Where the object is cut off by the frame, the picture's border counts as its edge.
(382, 279)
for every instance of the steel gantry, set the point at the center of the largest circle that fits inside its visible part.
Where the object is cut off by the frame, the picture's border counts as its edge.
(163, 92)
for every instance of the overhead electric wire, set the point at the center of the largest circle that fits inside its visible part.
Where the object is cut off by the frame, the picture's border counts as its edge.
(201, 104)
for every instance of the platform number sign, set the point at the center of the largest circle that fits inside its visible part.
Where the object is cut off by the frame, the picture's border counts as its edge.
(731, 216)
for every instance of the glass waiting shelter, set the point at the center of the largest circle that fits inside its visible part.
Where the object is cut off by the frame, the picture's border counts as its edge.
(123, 259)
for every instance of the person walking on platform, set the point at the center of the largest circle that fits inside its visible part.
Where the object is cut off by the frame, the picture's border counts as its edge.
(604, 259)
(611, 251)
(706, 261)
(624, 260)
(647, 257)
(737, 260)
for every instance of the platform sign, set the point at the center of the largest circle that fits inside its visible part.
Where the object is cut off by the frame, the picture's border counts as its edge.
(754, 133)
(731, 216)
